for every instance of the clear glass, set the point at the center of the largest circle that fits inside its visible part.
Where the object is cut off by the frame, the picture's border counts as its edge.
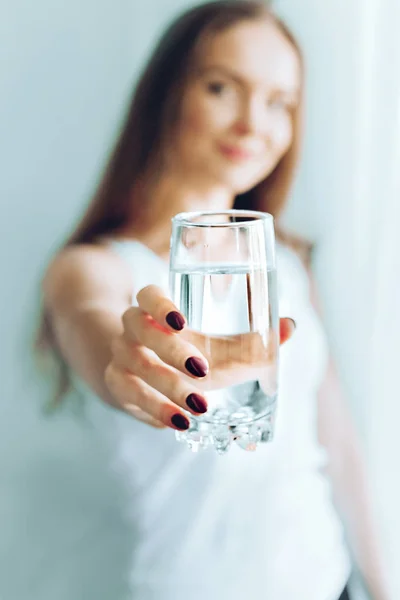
(223, 279)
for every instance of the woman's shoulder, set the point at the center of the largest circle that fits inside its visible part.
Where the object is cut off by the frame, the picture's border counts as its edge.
(81, 270)
(299, 247)
(81, 254)
(293, 274)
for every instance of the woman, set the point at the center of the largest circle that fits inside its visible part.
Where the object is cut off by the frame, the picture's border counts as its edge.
(214, 123)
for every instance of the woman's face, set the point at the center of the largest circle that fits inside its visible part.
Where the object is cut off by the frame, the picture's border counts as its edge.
(236, 120)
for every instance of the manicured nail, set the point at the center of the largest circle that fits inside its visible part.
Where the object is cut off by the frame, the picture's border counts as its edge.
(196, 403)
(196, 366)
(180, 422)
(175, 320)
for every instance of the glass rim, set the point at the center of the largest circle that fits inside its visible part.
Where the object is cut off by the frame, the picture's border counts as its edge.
(254, 216)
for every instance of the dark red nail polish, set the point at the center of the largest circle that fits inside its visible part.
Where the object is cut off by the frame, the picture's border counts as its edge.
(175, 320)
(180, 422)
(196, 366)
(196, 403)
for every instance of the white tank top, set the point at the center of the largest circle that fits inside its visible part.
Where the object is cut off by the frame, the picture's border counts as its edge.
(115, 510)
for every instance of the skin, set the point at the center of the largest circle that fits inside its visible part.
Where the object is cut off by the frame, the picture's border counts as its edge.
(234, 127)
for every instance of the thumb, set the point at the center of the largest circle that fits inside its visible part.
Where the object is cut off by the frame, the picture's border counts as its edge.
(287, 327)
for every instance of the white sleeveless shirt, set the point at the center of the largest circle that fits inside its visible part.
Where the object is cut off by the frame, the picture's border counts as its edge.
(117, 510)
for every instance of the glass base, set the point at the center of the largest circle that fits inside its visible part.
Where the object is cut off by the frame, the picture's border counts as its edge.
(246, 430)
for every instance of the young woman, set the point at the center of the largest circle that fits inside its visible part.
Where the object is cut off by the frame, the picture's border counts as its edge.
(214, 124)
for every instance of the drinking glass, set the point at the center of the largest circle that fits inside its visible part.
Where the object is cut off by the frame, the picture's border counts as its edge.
(223, 279)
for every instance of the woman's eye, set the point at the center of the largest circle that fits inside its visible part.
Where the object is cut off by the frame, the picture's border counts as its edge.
(279, 104)
(216, 87)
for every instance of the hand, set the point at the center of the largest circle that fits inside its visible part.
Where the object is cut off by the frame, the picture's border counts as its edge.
(159, 367)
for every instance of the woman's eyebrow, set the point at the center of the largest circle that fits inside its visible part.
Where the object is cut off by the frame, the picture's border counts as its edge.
(227, 72)
(224, 71)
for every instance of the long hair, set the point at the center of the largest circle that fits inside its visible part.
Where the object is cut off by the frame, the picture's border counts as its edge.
(153, 108)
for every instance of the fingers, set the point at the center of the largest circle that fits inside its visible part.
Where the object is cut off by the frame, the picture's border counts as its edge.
(287, 327)
(232, 358)
(140, 415)
(142, 329)
(136, 397)
(153, 301)
(116, 385)
(249, 347)
(150, 358)
(146, 365)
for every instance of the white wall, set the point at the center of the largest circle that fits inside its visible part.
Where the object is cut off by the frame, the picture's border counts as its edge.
(65, 71)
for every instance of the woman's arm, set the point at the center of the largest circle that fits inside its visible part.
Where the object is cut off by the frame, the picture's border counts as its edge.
(135, 358)
(348, 474)
(86, 291)
(349, 477)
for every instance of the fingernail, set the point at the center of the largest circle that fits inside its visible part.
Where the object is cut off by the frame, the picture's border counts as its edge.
(180, 422)
(293, 321)
(196, 403)
(175, 320)
(196, 366)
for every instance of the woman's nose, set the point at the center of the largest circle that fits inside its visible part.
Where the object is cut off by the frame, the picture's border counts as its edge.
(251, 119)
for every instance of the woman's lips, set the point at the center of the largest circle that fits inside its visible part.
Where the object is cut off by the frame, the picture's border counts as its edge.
(235, 153)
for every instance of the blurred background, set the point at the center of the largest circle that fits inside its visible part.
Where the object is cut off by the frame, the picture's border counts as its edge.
(67, 69)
